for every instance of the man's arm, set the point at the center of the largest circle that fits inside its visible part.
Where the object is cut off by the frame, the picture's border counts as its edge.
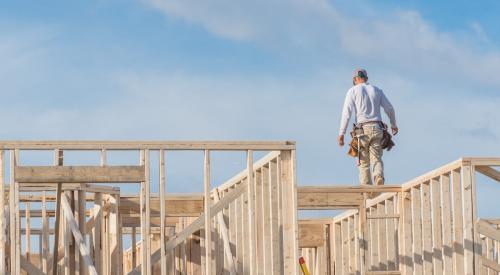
(389, 110)
(346, 116)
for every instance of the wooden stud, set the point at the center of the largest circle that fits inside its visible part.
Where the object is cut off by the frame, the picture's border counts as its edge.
(27, 233)
(469, 221)
(345, 246)
(97, 232)
(45, 234)
(290, 224)
(239, 234)
(447, 224)
(259, 222)
(163, 261)
(17, 241)
(382, 238)
(417, 230)
(252, 225)
(274, 204)
(208, 224)
(437, 228)
(374, 244)
(458, 239)
(351, 244)
(12, 215)
(364, 236)
(391, 236)
(58, 162)
(145, 267)
(245, 232)
(427, 228)
(3, 238)
(266, 220)
(115, 235)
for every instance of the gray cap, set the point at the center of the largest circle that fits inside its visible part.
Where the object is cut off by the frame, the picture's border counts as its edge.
(360, 72)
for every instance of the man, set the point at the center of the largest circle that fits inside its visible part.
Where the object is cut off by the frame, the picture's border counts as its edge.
(365, 101)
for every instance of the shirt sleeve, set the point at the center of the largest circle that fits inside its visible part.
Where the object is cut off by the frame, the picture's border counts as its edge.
(388, 109)
(346, 112)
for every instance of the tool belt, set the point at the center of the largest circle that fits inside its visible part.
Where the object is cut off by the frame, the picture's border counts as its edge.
(357, 132)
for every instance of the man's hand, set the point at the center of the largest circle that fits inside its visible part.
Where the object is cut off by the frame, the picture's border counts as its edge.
(395, 130)
(340, 139)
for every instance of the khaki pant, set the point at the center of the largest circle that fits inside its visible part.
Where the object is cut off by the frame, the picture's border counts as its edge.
(371, 153)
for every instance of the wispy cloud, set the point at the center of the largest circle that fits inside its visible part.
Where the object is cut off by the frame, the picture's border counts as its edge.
(399, 40)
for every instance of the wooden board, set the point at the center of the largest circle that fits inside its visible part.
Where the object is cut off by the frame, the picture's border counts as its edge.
(489, 171)
(325, 200)
(190, 206)
(152, 145)
(79, 174)
(311, 235)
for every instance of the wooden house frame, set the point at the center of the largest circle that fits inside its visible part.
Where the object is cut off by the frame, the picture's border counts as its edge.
(247, 225)
(428, 225)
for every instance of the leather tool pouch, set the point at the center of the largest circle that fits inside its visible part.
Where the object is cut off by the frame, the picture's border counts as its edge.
(353, 145)
(387, 142)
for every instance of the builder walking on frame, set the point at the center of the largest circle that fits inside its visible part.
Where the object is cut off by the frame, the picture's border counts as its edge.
(365, 100)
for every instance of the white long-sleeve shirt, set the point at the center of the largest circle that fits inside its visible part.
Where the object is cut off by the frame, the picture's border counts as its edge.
(365, 100)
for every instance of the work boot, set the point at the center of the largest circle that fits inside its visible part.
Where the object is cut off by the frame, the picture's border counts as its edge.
(379, 180)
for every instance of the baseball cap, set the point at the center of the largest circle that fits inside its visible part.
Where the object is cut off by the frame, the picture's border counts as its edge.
(360, 73)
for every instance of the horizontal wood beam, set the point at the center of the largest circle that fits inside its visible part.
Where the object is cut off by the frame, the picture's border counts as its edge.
(489, 172)
(189, 206)
(79, 174)
(312, 201)
(487, 230)
(151, 145)
(52, 187)
(359, 189)
(392, 216)
(311, 235)
(337, 197)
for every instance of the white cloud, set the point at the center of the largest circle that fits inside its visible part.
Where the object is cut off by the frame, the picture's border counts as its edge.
(397, 40)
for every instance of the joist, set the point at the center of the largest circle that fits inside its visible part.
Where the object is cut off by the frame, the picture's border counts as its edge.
(79, 174)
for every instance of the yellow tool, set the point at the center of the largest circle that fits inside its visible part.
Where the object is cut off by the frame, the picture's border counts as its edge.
(303, 266)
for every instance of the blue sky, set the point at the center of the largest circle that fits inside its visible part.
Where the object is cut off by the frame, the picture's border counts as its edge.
(254, 70)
